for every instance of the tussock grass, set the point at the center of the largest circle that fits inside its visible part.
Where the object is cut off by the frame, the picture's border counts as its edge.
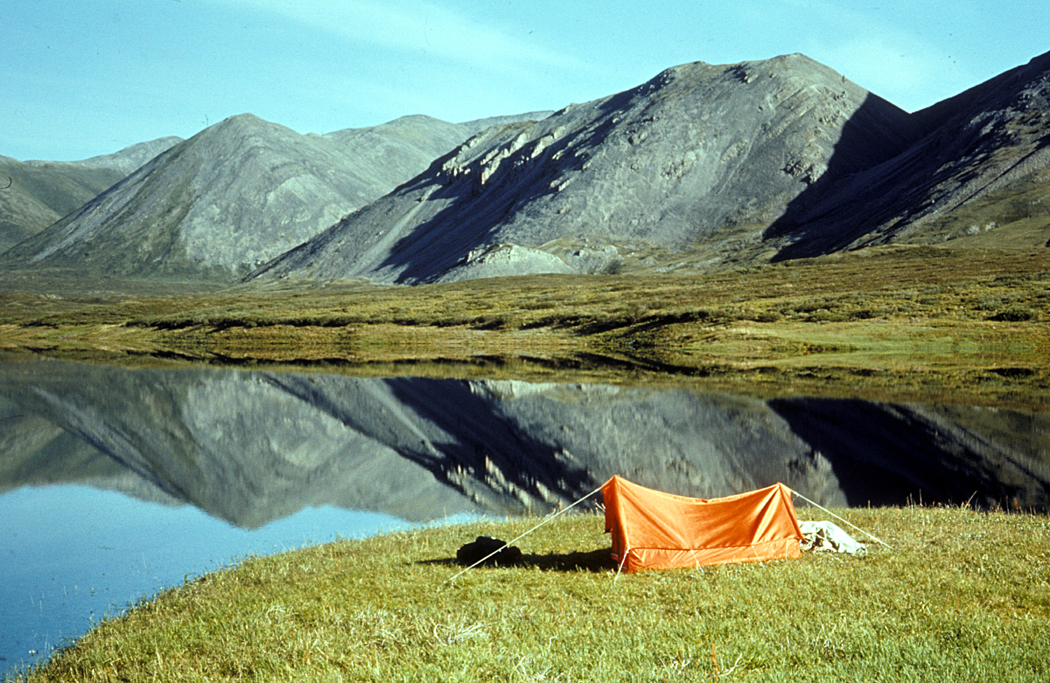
(917, 323)
(963, 596)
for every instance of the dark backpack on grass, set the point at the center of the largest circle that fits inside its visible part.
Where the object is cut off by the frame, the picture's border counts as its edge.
(473, 553)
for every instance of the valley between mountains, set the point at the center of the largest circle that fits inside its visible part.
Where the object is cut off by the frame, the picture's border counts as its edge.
(769, 226)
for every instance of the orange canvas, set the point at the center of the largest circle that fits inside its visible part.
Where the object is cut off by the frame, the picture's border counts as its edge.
(655, 530)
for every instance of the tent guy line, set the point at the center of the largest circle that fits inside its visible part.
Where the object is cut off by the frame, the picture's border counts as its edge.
(547, 519)
(839, 518)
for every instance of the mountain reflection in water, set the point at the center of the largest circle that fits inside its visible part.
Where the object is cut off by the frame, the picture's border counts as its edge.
(253, 447)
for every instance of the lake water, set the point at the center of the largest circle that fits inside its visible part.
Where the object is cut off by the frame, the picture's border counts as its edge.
(76, 554)
(116, 483)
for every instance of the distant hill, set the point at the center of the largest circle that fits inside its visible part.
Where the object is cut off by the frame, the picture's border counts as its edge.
(478, 125)
(37, 196)
(390, 153)
(41, 192)
(125, 161)
(234, 196)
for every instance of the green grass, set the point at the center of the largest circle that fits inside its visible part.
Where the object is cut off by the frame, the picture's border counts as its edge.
(962, 596)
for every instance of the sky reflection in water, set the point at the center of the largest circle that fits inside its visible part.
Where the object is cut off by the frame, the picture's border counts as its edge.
(74, 554)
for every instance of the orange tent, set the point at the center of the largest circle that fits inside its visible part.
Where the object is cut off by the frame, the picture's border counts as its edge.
(655, 530)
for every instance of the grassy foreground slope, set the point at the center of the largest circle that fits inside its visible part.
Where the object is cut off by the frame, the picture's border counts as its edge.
(962, 596)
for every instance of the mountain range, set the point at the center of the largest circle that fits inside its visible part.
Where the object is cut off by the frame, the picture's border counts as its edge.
(703, 167)
(234, 196)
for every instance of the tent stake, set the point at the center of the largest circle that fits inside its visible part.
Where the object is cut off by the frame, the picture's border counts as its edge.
(620, 568)
(548, 518)
(839, 518)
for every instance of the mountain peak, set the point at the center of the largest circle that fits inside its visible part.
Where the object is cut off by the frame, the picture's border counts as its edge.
(230, 198)
(699, 152)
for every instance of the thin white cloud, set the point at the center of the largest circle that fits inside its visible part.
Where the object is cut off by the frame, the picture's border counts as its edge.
(420, 28)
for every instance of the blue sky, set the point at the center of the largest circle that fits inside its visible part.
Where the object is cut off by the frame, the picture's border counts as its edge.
(91, 77)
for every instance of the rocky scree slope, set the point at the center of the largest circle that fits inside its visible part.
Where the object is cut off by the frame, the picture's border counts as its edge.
(700, 153)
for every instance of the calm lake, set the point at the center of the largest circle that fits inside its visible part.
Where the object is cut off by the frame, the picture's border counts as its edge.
(116, 483)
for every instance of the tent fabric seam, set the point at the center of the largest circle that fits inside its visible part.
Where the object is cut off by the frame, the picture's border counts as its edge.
(709, 547)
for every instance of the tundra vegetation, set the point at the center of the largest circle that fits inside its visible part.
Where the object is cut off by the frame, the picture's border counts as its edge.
(962, 595)
(907, 322)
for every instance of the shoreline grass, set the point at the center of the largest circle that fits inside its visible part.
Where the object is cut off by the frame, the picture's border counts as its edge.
(910, 323)
(962, 596)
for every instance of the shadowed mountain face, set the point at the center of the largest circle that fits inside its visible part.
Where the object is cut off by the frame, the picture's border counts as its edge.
(983, 141)
(234, 196)
(700, 153)
(253, 447)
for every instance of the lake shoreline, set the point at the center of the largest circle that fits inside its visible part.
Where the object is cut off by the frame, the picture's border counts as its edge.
(894, 323)
(945, 601)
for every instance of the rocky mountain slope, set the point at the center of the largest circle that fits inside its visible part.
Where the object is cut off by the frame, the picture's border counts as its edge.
(709, 167)
(987, 146)
(699, 153)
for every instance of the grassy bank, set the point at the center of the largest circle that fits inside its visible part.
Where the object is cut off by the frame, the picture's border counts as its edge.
(918, 323)
(963, 596)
